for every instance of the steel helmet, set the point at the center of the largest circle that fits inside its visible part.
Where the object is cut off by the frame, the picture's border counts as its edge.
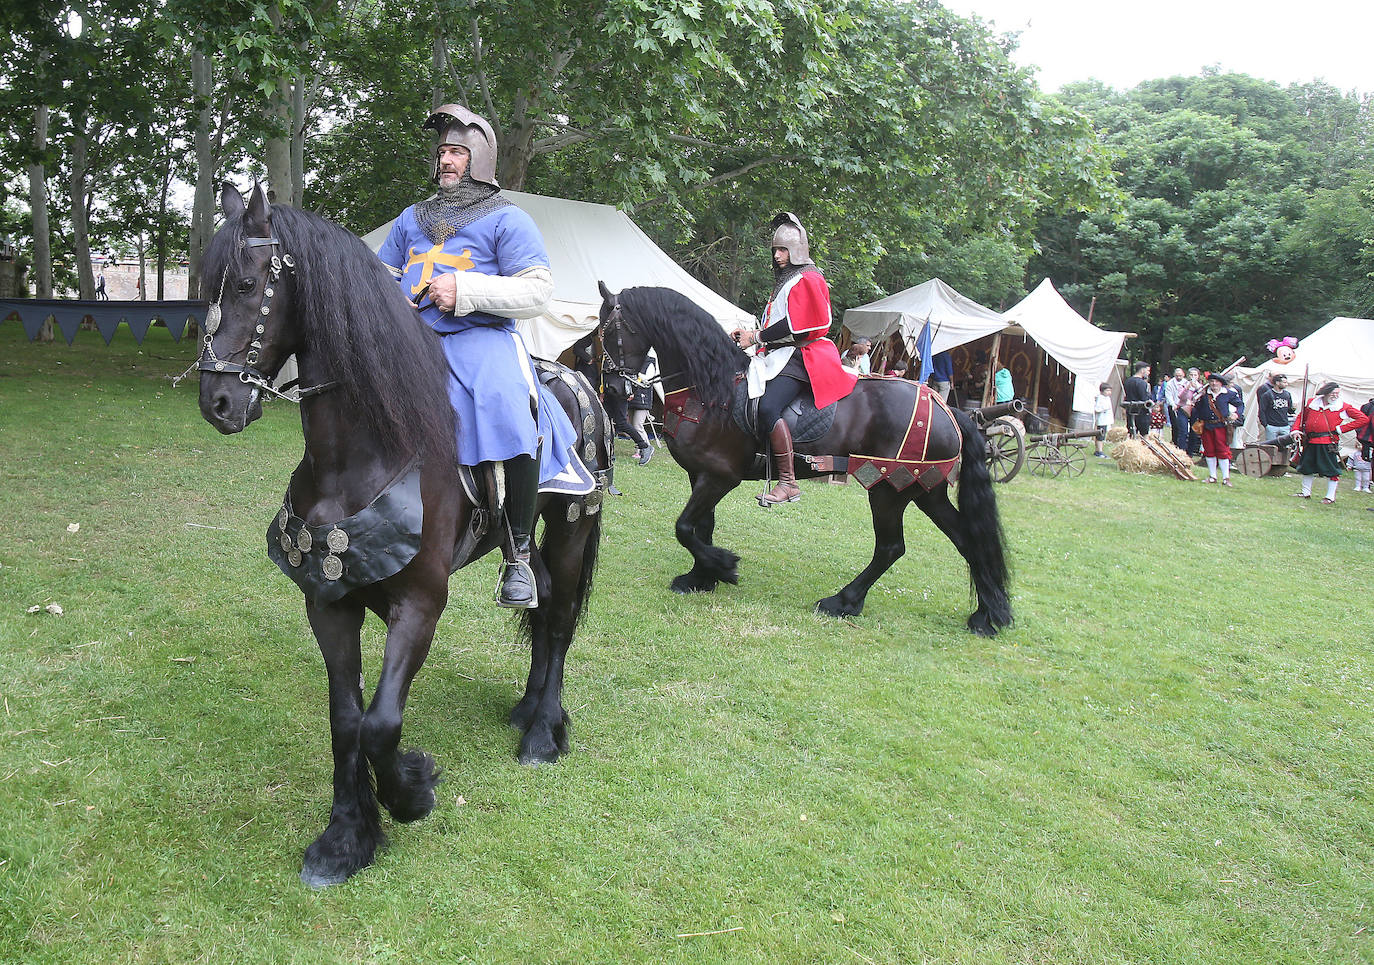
(788, 233)
(458, 125)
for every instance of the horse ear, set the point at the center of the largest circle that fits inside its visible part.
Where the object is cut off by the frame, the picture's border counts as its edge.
(258, 208)
(605, 292)
(231, 201)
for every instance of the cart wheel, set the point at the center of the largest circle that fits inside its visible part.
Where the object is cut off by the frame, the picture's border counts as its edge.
(1042, 458)
(1006, 448)
(1075, 460)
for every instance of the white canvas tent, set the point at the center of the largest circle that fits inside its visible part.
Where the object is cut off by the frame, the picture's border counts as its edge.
(954, 319)
(1087, 351)
(1081, 347)
(1341, 351)
(591, 242)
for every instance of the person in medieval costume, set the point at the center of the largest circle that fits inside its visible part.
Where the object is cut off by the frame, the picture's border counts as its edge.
(1319, 425)
(796, 352)
(472, 262)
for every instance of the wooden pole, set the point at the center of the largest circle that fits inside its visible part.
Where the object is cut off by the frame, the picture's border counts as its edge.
(1035, 380)
(1091, 305)
(994, 358)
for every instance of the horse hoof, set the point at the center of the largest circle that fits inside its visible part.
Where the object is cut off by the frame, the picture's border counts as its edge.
(687, 583)
(318, 880)
(534, 757)
(831, 606)
(981, 625)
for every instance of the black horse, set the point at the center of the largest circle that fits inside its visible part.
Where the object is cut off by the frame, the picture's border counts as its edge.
(380, 450)
(701, 364)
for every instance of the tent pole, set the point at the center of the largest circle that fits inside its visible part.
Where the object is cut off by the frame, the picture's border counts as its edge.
(994, 359)
(1035, 382)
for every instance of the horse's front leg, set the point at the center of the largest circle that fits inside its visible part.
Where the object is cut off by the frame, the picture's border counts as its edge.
(355, 830)
(695, 528)
(405, 780)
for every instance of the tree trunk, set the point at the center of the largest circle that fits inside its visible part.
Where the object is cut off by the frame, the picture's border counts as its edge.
(438, 59)
(38, 204)
(142, 268)
(203, 206)
(162, 227)
(81, 241)
(517, 152)
(298, 141)
(278, 144)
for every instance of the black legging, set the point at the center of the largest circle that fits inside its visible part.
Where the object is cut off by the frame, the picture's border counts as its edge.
(615, 407)
(779, 394)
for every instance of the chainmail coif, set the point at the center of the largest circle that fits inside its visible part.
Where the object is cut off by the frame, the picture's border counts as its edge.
(442, 217)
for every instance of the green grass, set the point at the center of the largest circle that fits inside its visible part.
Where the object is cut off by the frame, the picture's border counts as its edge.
(1165, 760)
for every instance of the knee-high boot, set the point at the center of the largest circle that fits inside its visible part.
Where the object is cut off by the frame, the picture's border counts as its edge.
(516, 588)
(786, 490)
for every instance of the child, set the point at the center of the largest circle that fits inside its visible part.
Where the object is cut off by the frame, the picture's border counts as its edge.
(1361, 467)
(1102, 408)
(1157, 419)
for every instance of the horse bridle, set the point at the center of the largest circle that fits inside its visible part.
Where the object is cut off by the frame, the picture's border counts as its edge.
(248, 372)
(617, 319)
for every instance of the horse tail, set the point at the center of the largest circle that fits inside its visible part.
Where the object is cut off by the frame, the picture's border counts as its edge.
(590, 551)
(980, 527)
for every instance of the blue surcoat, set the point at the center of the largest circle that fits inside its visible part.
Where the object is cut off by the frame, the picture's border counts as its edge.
(502, 409)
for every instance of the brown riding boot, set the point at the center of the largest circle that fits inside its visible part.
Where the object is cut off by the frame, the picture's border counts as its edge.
(786, 490)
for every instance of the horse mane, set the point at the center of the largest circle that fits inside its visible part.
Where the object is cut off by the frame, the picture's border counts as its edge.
(351, 314)
(676, 325)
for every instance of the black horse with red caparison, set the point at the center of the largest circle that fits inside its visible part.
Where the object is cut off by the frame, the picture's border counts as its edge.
(700, 361)
(374, 517)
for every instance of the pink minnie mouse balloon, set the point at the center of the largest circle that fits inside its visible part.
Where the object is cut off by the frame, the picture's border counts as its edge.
(1282, 349)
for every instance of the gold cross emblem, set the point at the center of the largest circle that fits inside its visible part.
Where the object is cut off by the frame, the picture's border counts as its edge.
(436, 256)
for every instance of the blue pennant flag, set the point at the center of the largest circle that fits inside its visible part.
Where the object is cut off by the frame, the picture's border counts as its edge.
(927, 356)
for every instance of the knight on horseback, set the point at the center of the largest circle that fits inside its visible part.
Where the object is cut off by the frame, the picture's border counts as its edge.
(795, 350)
(472, 262)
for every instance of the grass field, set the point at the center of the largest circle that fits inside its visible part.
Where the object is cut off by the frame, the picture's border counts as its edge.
(1167, 759)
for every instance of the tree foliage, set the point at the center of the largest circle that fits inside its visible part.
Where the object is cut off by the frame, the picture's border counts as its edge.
(1247, 215)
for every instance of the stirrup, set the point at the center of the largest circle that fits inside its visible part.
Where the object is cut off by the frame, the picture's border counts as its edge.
(792, 494)
(515, 587)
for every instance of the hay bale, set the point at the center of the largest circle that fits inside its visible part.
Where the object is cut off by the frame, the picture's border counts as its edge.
(1116, 433)
(1131, 455)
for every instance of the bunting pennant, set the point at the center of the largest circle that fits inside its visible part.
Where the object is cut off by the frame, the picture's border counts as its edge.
(68, 314)
(69, 321)
(107, 324)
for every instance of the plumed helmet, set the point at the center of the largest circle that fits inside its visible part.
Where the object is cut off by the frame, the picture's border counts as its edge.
(788, 233)
(458, 125)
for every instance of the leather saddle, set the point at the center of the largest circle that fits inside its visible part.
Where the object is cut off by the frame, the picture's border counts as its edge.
(804, 420)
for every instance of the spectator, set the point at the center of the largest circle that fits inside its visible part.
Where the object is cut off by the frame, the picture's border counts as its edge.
(1137, 389)
(1360, 466)
(1002, 387)
(100, 294)
(942, 371)
(1102, 412)
(1214, 413)
(1191, 392)
(1275, 406)
(1158, 420)
(898, 370)
(1178, 419)
(1319, 426)
(856, 356)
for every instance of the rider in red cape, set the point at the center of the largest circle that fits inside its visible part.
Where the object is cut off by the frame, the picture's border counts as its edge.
(796, 350)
